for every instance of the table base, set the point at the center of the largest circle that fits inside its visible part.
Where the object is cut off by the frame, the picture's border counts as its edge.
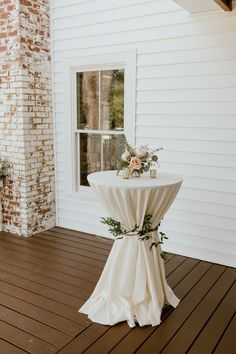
(132, 286)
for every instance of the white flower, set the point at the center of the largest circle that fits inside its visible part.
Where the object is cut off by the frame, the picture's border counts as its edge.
(135, 163)
(126, 156)
(141, 151)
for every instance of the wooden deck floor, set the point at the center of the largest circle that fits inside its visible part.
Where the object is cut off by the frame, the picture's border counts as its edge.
(46, 278)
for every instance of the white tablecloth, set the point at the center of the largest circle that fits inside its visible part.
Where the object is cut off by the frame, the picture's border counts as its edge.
(132, 286)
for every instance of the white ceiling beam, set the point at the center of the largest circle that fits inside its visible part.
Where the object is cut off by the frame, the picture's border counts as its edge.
(195, 6)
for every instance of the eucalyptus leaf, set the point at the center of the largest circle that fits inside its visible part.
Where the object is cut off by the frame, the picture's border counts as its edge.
(154, 158)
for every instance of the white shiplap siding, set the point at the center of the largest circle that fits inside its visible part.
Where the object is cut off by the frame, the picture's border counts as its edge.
(185, 102)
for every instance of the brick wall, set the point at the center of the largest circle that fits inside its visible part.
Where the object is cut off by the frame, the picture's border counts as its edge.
(26, 132)
(1, 192)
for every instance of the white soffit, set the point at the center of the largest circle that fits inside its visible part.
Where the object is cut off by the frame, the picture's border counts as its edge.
(195, 6)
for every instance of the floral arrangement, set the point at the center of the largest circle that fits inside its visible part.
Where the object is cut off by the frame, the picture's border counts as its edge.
(137, 160)
(119, 231)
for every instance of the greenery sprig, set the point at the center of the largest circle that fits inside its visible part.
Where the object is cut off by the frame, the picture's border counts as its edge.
(119, 231)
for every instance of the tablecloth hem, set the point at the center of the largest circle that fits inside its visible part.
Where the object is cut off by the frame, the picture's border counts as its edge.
(128, 313)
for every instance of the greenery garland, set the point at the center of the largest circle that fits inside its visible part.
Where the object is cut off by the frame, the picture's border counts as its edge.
(117, 230)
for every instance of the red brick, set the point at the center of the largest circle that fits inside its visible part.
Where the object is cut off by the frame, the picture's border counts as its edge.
(12, 34)
(25, 2)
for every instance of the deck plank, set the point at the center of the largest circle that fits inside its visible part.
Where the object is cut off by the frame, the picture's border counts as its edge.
(35, 287)
(42, 283)
(25, 340)
(208, 338)
(40, 314)
(36, 328)
(83, 341)
(163, 334)
(22, 246)
(43, 302)
(91, 246)
(49, 267)
(8, 348)
(227, 343)
(180, 343)
(82, 235)
(45, 279)
(37, 244)
(71, 250)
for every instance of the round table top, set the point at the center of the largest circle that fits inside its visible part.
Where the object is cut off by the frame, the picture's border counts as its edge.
(110, 179)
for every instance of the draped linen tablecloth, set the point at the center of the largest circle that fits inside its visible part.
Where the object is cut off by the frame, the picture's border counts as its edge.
(132, 286)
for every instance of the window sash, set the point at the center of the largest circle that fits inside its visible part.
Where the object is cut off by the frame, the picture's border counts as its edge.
(72, 65)
(98, 131)
(101, 132)
(101, 161)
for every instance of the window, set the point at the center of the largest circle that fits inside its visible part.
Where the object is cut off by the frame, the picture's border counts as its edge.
(98, 109)
(100, 121)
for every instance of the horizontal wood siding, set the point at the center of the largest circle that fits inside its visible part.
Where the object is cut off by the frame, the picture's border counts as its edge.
(185, 102)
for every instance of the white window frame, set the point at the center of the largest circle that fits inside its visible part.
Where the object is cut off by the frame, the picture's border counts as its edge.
(126, 61)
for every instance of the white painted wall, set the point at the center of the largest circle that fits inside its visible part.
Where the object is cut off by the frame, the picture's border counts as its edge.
(185, 102)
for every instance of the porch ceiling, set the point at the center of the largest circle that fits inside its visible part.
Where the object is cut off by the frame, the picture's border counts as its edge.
(194, 6)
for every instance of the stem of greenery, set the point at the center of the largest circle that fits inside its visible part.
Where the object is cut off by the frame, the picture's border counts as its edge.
(119, 231)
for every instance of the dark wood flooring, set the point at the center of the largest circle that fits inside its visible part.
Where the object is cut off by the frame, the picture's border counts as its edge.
(46, 278)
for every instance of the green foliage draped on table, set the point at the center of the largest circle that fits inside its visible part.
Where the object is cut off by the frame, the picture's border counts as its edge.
(119, 231)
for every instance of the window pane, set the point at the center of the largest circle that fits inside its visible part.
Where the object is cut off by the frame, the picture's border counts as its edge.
(90, 156)
(112, 100)
(88, 100)
(112, 148)
(98, 152)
